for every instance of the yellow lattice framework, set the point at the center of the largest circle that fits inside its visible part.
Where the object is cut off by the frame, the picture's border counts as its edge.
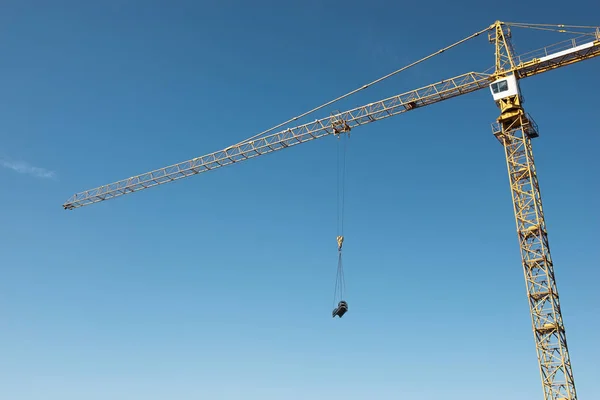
(514, 129)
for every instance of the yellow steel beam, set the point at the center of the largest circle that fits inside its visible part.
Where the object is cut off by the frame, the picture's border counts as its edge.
(334, 124)
(542, 292)
(522, 66)
(515, 129)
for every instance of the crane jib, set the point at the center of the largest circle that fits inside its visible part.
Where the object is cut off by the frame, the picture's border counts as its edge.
(527, 65)
(344, 121)
(568, 51)
(545, 59)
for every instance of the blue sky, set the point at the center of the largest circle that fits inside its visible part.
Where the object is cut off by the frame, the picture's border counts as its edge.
(220, 286)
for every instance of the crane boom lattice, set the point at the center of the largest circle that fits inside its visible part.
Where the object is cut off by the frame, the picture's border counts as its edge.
(527, 65)
(514, 129)
(341, 122)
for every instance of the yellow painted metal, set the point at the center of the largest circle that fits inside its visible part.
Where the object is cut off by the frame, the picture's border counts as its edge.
(530, 63)
(522, 66)
(340, 241)
(515, 129)
(500, 34)
(332, 125)
(549, 332)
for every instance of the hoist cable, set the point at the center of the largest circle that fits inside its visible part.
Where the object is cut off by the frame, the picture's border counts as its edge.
(343, 200)
(343, 278)
(341, 185)
(337, 194)
(340, 282)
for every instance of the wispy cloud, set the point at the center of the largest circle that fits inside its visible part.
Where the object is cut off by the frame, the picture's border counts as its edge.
(23, 167)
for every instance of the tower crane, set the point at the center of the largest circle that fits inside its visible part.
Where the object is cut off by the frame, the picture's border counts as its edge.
(514, 129)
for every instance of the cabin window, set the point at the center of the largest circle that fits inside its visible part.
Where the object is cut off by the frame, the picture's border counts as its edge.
(501, 86)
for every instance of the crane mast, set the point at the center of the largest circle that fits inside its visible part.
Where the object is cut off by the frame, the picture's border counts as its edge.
(514, 129)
